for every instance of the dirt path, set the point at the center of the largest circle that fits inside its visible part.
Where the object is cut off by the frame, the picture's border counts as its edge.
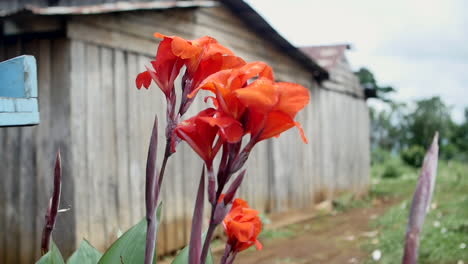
(327, 239)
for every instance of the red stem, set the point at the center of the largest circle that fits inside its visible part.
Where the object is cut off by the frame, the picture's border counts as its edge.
(167, 154)
(52, 210)
(227, 251)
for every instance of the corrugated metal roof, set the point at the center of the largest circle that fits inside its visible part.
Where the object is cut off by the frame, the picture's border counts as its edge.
(76, 7)
(241, 9)
(326, 56)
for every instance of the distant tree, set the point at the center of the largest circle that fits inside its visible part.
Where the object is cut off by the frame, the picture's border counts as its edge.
(404, 130)
(413, 156)
(386, 130)
(430, 115)
(368, 82)
(460, 138)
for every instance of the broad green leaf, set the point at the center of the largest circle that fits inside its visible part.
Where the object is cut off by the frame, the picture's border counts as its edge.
(130, 247)
(86, 254)
(52, 257)
(182, 257)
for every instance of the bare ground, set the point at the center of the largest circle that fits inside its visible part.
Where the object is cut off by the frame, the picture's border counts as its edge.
(326, 239)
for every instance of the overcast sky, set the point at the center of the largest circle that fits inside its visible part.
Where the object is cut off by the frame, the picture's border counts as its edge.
(420, 46)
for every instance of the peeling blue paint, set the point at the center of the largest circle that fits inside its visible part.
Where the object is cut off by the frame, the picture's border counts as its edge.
(18, 92)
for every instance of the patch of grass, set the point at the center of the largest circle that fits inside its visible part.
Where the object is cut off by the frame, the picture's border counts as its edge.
(290, 261)
(382, 186)
(277, 233)
(444, 238)
(348, 201)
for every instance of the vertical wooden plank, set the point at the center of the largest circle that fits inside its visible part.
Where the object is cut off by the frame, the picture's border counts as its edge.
(337, 140)
(78, 93)
(108, 137)
(308, 159)
(11, 168)
(364, 111)
(61, 139)
(256, 177)
(134, 162)
(312, 123)
(45, 152)
(122, 138)
(10, 184)
(318, 146)
(97, 235)
(325, 119)
(310, 164)
(355, 141)
(27, 170)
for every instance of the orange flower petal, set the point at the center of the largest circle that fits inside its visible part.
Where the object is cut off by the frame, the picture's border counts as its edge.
(301, 132)
(218, 79)
(257, 68)
(231, 130)
(143, 79)
(292, 98)
(277, 122)
(258, 245)
(260, 95)
(183, 48)
(199, 134)
(159, 35)
(242, 231)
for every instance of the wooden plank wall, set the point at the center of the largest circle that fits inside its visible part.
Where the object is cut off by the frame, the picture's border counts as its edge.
(90, 107)
(284, 174)
(27, 156)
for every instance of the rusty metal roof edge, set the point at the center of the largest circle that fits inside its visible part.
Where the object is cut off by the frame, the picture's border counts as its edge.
(348, 46)
(263, 28)
(111, 7)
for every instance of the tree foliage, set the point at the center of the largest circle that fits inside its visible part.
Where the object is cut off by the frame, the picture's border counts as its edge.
(368, 81)
(406, 128)
(430, 115)
(386, 127)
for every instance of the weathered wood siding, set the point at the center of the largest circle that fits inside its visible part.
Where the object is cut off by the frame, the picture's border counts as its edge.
(91, 109)
(27, 157)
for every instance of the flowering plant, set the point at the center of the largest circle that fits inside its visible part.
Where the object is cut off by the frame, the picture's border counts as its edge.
(245, 106)
(246, 102)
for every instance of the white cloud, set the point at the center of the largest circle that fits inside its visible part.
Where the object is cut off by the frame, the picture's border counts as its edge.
(420, 47)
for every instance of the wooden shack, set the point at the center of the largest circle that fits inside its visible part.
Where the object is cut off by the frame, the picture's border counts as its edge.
(87, 60)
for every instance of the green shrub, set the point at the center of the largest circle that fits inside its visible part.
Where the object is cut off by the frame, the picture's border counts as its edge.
(380, 155)
(392, 169)
(413, 156)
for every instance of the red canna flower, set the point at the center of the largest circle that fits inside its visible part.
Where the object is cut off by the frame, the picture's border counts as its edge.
(201, 130)
(213, 58)
(225, 82)
(273, 107)
(172, 53)
(200, 135)
(230, 129)
(242, 226)
(202, 57)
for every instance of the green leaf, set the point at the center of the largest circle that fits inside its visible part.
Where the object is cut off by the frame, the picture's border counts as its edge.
(52, 257)
(182, 257)
(130, 247)
(86, 254)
